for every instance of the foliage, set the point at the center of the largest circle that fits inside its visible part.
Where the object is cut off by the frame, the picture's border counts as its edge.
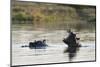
(55, 15)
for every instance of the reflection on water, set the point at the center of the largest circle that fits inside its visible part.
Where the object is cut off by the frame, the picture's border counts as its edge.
(56, 51)
(72, 52)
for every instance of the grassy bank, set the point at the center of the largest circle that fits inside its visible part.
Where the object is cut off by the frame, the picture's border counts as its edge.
(54, 16)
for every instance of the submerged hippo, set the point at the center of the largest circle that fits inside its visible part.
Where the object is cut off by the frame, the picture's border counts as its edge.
(38, 44)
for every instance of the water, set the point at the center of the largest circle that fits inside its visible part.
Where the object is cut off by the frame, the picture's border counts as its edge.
(56, 51)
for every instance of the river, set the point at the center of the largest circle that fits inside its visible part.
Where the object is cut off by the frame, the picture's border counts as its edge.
(54, 53)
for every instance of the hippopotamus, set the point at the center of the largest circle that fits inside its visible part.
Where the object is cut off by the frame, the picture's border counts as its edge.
(38, 44)
(72, 44)
(72, 40)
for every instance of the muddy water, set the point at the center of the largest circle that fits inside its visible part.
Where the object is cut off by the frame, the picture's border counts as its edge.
(54, 53)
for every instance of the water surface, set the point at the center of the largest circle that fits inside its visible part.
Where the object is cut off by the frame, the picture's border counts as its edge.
(56, 51)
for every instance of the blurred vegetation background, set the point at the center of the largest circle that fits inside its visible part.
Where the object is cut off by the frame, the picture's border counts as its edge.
(53, 16)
